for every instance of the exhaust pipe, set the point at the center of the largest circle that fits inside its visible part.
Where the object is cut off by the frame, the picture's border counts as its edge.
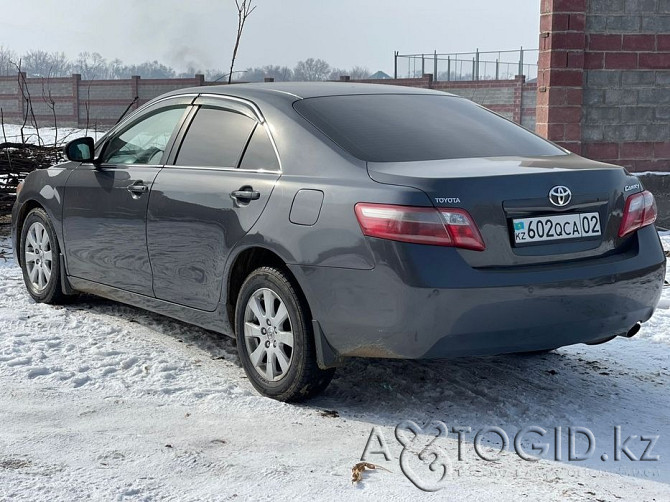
(630, 334)
(633, 331)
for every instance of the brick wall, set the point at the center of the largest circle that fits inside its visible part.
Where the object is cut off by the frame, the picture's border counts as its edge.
(98, 103)
(604, 80)
(513, 99)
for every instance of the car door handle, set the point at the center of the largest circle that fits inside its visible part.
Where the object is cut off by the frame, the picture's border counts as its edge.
(249, 194)
(138, 188)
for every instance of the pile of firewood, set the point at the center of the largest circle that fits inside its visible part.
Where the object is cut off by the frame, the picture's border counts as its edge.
(16, 161)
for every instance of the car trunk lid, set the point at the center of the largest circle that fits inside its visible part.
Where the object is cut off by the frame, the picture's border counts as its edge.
(499, 192)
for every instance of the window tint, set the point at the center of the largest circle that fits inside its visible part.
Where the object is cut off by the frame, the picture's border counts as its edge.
(215, 138)
(145, 141)
(260, 154)
(401, 128)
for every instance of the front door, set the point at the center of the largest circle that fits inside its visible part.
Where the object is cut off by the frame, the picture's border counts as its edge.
(105, 205)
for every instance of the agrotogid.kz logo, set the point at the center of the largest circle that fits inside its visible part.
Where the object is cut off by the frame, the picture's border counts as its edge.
(560, 196)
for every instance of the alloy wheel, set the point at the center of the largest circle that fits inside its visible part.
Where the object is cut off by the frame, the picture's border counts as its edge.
(38, 256)
(268, 334)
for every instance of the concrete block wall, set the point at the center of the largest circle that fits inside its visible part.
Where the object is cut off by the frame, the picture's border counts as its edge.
(81, 103)
(513, 99)
(529, 106)
(99, 103)
(604, 80)
(10, 101)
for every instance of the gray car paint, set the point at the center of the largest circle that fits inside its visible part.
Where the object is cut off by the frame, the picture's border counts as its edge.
(372, 297)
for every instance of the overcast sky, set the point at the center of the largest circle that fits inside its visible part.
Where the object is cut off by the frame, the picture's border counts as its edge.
(201, 33)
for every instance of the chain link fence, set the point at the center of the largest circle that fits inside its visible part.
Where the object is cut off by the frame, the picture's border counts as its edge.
(492, 65)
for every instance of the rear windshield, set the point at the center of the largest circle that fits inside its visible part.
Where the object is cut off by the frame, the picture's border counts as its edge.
(407, 128)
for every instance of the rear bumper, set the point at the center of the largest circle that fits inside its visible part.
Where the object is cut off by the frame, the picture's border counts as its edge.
(426, 302)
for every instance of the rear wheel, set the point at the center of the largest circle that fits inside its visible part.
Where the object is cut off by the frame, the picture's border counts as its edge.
(40, 258)
(275, 340)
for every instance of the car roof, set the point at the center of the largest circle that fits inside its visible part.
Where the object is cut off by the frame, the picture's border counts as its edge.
(302, 90)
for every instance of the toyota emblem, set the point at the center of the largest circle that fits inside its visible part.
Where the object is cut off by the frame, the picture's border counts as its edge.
(560, 196)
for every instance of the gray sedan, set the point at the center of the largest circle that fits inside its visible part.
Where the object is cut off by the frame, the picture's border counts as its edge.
(321, 221)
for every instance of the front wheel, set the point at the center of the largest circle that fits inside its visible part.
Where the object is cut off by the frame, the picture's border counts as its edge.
(275, 339)
(40, 258)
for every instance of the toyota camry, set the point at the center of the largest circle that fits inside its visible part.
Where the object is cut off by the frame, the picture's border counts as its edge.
(321, 221)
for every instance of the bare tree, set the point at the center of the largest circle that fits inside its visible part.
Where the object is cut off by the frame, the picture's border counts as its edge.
(42, 64)
(336, 73)
(91, 66)
(244, 10)
(28, 112)
(278, 73)
(2, 123)
(356, 73)
(311, 70)
(60, 65)
(6, 58)
(36, 63)
(359, 73)
(51, 104)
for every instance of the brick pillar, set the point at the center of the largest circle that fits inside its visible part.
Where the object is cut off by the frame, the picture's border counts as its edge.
(76, 79)
(561, 72)
(200, 79)
(135, 89)
(517, 114)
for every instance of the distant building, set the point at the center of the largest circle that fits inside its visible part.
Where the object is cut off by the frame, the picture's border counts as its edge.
(379, 76)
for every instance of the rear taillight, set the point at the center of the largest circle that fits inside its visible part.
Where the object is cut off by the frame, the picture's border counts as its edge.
(420, 225)
(639, 212)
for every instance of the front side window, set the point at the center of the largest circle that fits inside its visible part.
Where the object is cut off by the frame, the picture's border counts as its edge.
(215, 138)
(145, 141)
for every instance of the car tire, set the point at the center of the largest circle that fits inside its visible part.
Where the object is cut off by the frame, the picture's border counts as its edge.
(40, 258)
(275, 339)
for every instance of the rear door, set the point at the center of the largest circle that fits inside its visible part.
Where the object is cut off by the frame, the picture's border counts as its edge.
(105, 205)
(214, 188)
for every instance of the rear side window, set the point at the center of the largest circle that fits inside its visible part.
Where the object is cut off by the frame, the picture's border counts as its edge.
(260, 154)
(215, 138)
(406, 127)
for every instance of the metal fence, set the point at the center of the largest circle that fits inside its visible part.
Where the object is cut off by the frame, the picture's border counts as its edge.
(492, 65)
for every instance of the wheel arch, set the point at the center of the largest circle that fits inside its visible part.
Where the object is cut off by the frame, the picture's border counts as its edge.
(27, 206)
(246, 262)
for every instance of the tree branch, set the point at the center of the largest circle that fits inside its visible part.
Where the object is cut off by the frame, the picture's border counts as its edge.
(244, 10)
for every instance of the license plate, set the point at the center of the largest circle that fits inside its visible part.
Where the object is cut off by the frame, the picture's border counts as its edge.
(554, 228)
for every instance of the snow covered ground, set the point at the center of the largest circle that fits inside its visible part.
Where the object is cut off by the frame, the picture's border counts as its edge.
(107, 402)
(47, 136)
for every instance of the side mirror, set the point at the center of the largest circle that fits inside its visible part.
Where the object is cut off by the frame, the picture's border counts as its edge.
(80, 150)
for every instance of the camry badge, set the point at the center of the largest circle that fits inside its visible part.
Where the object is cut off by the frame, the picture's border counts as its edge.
(560, 196)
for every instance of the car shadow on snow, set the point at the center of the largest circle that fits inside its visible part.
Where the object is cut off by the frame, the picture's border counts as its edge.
(218, 346)
(622, 383)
